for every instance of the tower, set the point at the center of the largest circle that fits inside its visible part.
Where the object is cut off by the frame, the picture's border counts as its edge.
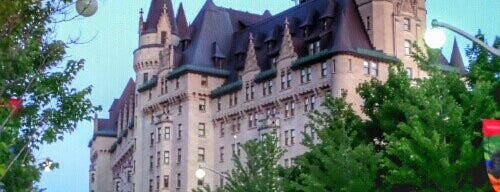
(393, 26)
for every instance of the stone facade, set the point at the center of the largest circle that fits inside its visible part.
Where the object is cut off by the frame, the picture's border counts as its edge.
(203, 89)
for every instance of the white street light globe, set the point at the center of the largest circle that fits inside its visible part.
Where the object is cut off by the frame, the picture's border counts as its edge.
(86, 8)
(435, 38)
(200, 173)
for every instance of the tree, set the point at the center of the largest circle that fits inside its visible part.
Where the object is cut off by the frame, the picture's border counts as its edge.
(258, 171)
(30, 69)
(337, 159)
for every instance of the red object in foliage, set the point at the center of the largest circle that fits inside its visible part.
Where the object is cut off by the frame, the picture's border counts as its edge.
(491, 127)
(16, 103)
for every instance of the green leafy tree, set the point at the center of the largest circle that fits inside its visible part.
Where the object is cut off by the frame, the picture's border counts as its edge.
(31, 69)
(257, 171)
(339, 161)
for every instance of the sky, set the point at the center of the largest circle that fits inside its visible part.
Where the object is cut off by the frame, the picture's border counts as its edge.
(111, 35)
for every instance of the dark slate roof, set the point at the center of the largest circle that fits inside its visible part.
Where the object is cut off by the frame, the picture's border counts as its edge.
(441, 59)
(456, 58)
(109, 125)
(181, 21)
(154, 13)
(213, 25)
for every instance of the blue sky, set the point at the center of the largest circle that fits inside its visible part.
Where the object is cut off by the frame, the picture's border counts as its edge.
(113, 34)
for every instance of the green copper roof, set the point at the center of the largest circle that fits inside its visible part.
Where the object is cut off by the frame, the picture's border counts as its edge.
(264, 75)
(228, 88)
(376, 54)
(303, 61)
(197, 69)
(149, 84)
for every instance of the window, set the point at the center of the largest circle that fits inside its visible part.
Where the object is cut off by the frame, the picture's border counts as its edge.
(251, 90)
(306, 104)
(166, 157)
(323, 69)
(309, 74)
(409, 72)
(222, 130)
(92, 177)
(235, 98)
(309, 103)
(314, 47)
(145, 77)
(201, 154)
(165, 181)
(267, 87)
(201, 130)
(305, 74)
(238, 148)
(334, 66)
(287, 108)
(164, 88)
(302, 75)
(200, 182)
(204, 80)
(179, 155)
(178, 180)
(255, 117)
(159, 134)
(163, 37)
(179, 131)
(177, 83)
(151, 163)
(287, 137)
(313, 102)
(374, 69)
(283, 79)
(366, 68)
(219, 104)
(151, 139)
(202, 105)
(406, 24)
(129, 176)
(309, 131)
(157, 182)
(247, 91)
(292, 136)
(368, 23)
(292, 108)
(288, 78)
(179, 109)
(274, 61)
(150, 185)
(158, 158)
(167, 133)
(407, 47)
(221, 154)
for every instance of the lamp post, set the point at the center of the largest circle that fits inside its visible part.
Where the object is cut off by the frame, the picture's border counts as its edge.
(435, 39)
(200, 172)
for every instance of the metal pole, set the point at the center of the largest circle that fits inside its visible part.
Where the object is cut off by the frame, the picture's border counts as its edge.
(492, 50)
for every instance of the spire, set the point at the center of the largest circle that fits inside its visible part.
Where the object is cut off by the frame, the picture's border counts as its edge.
(156, 9)
(251, 60)
(349, 31)
(267, 14)
(209, 4)
(287, 49)
(141, 21)
(456, 58)
(181, 21)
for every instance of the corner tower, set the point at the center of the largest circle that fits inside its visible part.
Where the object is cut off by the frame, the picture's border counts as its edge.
(393, 25)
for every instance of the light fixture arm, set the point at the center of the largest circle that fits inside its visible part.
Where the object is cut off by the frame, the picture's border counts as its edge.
(213, 171)
(436, 23)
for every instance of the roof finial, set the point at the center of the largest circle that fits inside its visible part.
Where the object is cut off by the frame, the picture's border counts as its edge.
(165, 9)
(287, 22)
(141, 12)
(250, 37)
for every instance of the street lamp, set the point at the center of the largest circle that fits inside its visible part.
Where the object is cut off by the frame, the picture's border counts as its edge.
(86, 8)
(435, 38)
(200, 172)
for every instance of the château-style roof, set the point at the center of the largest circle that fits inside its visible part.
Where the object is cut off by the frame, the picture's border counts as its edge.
(456, 58)
(154, 13)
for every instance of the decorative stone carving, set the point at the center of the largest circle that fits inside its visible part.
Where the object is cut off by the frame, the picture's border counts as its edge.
(287, 49)
(251, 60)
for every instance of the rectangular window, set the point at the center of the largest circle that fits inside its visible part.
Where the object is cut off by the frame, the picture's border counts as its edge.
(219, 104)
(252, 90)
(157, 183)
(151, 139)
(292, 108)
(406, 24)
(179, 155)
(145, 77)
(238, 148)
(270, 87)
(409, 72)
(179, 131)
(407, 47)
(366, 68)
(302, 75)
(221, 154)
(286, 109)
(150, 186)
(129, 176)
(158, 158)
(317, 46)
(204, 80)
(163, 37)
(201, 130)
(264, 88)
(167, 133)
(179, 109)
(368, 23)
(286, 137)
(288, 78)
(334, 66)
(178, 180)
(247, 91)
(313, 102)
(374, 69)
(323, 69)
(159, 134)
(283, 80)
(306, 104)
(222, 130)
(151, 162)
(201, 154)
(292, 136)
(309, 74)
(177, 83)
(255, 118)
(165, 181)
(166, 157)
(235, 95)
(202, 105)
(310, 49)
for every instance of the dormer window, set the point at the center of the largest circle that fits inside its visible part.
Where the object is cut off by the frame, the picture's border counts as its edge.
(163, 37)
(270, 46)
(306, 31)
(184, 44)
(218, 62)
(274, 61)
(314, 47)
